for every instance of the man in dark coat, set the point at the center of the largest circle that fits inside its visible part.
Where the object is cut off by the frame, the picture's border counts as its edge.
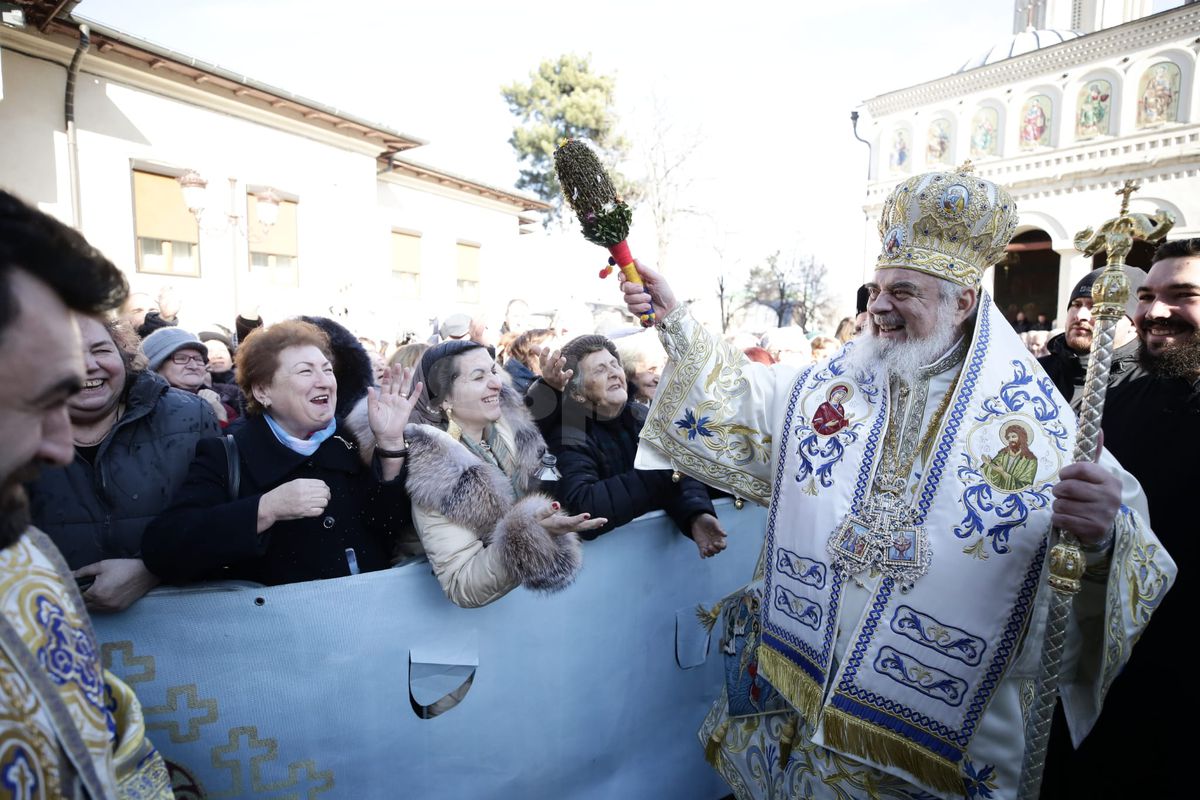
(1067, 361)
(594, 433)
(1150, 424)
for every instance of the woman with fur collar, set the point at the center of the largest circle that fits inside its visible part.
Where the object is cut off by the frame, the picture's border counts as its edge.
(471, 475)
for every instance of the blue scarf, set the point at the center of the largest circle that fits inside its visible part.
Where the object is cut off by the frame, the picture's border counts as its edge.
(305, 447)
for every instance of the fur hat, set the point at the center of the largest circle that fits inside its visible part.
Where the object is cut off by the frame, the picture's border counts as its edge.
(165, 342)
(351, 364)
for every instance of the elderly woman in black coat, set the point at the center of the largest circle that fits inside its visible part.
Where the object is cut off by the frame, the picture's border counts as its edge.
(590, 423)
(134, 439)
(301, 504)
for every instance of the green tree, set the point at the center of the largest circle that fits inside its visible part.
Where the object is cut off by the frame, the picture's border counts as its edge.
(563, 98)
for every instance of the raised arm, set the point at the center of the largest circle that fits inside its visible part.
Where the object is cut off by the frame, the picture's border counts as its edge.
(715, 411)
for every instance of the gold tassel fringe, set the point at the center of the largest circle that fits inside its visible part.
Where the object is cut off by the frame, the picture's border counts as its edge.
(852, 735)
(713, 748)
(786, 737)
(796, 686)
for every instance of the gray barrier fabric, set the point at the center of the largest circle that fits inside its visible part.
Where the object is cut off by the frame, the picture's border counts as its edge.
(315, 689)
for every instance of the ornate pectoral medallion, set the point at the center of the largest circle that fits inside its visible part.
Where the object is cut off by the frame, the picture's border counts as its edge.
(882, 535)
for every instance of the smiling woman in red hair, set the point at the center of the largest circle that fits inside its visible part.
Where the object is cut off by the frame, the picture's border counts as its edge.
(291, 499)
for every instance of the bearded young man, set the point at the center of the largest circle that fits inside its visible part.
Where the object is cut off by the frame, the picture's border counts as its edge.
(884, 648)
(67, 727)
(1152, 425)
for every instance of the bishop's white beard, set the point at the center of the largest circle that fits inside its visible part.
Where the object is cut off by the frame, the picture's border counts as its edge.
(903, 360)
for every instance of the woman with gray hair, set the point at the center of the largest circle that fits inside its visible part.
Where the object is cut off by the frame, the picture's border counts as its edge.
(134, 439)
(473, 470)
(595, 438)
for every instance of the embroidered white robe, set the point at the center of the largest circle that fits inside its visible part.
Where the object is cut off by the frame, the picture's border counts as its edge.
(721, 419)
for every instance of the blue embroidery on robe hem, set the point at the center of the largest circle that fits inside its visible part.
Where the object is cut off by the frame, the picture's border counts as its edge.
(937, 636)
(908, 671)
(693, 426)
(806, 570)
(803, 654)
(801, 609)
(18, 774)
(68, 653)
(980, 782)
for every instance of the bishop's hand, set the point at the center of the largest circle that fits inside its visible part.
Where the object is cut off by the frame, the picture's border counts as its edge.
(1087, 498)
(654, 289)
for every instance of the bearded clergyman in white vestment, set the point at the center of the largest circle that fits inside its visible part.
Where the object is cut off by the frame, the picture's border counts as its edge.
(889, 643)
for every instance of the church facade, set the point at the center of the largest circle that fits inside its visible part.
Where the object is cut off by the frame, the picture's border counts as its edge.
(1061, 116)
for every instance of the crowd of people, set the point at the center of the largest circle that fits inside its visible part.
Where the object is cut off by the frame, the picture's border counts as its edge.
(295, 450)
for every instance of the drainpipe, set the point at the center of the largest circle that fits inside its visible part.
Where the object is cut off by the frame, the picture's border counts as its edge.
(866, 218)
(854, 127)
(85, 40)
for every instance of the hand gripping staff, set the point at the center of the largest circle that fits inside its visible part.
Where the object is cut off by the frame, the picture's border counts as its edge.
(1109, 294)
(603, 215)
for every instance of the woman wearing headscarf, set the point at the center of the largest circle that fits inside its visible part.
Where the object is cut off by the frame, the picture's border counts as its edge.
(473, 470)
(300, 504)
(134, 439)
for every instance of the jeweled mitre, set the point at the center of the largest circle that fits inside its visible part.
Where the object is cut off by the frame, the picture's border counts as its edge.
(952, 225)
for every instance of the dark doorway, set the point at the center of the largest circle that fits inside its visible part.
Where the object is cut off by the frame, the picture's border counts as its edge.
(1027, 279)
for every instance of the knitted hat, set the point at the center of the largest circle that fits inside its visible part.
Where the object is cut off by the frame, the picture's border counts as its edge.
(165, 342)
(1136, 279)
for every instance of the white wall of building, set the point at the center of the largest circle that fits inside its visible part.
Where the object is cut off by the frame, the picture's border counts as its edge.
(346, 211)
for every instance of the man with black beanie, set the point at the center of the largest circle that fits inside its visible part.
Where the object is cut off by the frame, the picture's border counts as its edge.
(1067, 361)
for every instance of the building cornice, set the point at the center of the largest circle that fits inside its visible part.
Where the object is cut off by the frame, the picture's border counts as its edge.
(174, 89)
(428, 179)
(1139, 34)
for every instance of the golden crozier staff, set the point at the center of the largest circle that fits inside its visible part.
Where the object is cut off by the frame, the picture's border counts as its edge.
(1109, 294)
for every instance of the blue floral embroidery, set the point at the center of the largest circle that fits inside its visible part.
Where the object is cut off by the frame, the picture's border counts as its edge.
(942, 638)
(1013, 509)
(913, 674)
(1015, 395)
(69, 655)
(820, 454)
(978, 783)
(826, 451)
(693, 426)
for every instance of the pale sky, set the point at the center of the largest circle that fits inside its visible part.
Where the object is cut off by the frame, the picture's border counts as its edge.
(766, 88)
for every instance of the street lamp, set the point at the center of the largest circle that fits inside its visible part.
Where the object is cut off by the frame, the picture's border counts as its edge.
(194, 192)
(195, 197)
